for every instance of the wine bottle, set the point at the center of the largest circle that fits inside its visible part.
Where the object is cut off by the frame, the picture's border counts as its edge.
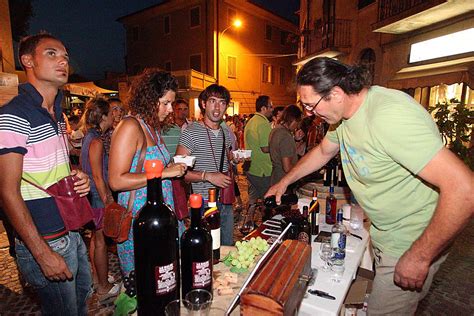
(213, 219)
(196, 252)
(286, 199)
(314, 213)
(155, 233)
(331, 206)
(304, 234)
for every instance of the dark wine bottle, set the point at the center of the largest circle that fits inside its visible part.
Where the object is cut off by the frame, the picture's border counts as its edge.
(213, 219)
(155, 233)
(286, 199)
(196, 252)
(331, 206)
(314, 213)
(304, 234)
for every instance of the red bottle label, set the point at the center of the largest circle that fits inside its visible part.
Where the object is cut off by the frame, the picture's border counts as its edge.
(165, 278)
(202, 274)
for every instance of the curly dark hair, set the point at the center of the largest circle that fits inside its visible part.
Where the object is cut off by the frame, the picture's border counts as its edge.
(145, 92)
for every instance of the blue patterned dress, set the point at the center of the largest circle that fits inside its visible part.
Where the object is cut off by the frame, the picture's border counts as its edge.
(125, 250)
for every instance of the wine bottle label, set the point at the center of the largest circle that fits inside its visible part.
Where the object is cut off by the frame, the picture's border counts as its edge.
(216, 238)
(316, 221)
(165, 278)
(201, 274)
(335, 240)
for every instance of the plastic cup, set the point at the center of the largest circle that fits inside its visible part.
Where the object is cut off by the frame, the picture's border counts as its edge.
(357, 217)
(337, 272)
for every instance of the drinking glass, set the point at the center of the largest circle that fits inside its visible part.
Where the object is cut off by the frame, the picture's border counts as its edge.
(357, 217)
(326, 254)
(198, 302)
(173, 308)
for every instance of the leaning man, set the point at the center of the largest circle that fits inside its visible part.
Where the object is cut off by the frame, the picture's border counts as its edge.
(417, 194)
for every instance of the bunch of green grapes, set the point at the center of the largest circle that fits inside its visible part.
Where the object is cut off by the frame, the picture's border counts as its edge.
(244, 258)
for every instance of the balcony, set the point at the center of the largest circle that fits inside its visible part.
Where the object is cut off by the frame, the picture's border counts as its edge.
(327, 39)
(402, 16)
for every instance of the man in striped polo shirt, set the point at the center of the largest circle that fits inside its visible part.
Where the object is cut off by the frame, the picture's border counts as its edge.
(33, 147)
(205, 141)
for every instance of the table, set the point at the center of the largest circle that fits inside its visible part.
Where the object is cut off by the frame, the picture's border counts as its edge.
(356, 253)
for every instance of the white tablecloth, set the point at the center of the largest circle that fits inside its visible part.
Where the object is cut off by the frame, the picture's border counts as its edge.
(357, 254)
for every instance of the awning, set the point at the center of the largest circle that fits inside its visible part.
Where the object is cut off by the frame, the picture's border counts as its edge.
(88, 89)
(446, 72)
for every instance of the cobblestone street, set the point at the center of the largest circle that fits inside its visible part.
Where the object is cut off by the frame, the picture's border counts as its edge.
(450, 294)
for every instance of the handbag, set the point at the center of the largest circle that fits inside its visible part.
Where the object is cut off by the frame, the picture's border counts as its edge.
(76, 211)
(180, 199)
(118, 219)
(226, 195)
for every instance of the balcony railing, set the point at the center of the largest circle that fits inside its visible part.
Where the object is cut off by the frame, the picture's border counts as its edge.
(389, 8)
(331, 35)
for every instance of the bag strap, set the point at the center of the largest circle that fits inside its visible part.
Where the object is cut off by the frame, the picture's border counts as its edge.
(38, 187)
(141, 160)
(221, 167)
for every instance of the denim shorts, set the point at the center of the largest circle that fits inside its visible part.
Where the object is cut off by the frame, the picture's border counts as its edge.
(65, 297)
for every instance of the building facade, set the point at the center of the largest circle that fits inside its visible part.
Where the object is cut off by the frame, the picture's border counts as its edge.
(196, 40)
(424, 47)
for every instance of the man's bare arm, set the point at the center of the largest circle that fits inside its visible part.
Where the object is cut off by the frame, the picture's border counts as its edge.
(454, 210)
(52, 264)
(312, 161)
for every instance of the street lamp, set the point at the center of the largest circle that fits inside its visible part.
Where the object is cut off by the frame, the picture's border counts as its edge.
(237, 23)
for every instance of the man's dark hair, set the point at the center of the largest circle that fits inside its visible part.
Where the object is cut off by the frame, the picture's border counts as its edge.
(262, 101)
(214, 90)
(181, 101)
(29, 43)
(290, 113)
(324, 73)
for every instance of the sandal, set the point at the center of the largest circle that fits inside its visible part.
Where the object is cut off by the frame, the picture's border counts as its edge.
(112, 293)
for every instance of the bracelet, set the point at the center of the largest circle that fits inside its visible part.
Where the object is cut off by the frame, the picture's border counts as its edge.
(203, 175)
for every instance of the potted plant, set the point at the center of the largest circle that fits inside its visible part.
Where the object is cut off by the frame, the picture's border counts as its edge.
(454, 122)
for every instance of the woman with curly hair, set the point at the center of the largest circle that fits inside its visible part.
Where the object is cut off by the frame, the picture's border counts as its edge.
(97, 119)
(151, 98)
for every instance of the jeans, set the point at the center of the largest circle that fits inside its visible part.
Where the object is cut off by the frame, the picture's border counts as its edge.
(66, 297)
(227, 224)
(258, 186)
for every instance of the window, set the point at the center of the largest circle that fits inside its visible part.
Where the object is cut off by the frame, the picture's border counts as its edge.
(364, 3)
(135, 33)
(282, 75)
(195, 62)
(283, 37)
(268, 32)
(168, 65)
(267, 75)
(232, 67)
(195, 16)
(231, 15)
(166, 25)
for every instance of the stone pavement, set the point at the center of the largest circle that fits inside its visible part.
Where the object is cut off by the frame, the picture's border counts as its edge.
(450, 294)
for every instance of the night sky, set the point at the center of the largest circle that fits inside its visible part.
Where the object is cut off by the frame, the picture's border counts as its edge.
(96, 42)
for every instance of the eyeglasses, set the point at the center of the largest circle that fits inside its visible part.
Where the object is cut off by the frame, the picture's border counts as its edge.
(213, 101)
(311, 106)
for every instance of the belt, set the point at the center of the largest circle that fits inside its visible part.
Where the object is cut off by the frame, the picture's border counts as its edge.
(55, 235)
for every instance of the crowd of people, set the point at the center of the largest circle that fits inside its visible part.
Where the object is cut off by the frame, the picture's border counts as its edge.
(394, 160)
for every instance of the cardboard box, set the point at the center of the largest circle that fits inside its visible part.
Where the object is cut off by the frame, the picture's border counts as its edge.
(361, 286)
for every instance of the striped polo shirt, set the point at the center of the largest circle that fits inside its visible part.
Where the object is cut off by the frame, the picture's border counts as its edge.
(206, 145)
(27, 128)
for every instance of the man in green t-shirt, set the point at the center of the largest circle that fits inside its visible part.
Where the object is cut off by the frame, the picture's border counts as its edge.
(256, 135)
(417, 194)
